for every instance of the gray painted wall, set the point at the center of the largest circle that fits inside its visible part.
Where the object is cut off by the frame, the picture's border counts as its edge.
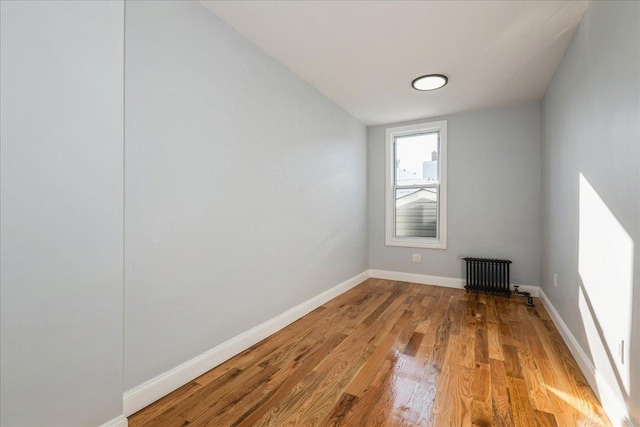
(245, 187)
(246, 193)
(591, 122)
(61, 216)
(493, 195)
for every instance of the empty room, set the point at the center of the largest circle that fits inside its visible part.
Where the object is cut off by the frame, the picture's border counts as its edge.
(319, 213)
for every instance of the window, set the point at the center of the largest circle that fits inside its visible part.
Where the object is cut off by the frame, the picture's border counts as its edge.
(416, 196)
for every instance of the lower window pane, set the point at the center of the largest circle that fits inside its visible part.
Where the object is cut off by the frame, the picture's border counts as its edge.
(417, 212)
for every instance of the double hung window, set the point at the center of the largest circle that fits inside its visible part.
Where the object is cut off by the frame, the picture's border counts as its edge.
(416, 194)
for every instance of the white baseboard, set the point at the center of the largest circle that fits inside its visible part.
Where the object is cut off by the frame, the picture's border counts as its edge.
(120, 421)
(615, 409)
(163, 384)
(152, 390)
(425, 279)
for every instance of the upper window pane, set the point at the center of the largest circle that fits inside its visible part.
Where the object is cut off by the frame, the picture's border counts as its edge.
(416, 159)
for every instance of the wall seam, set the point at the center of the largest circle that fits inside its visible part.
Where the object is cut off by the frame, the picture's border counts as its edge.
(124, 118)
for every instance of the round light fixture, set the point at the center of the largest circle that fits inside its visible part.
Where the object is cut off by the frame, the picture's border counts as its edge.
(429, 82)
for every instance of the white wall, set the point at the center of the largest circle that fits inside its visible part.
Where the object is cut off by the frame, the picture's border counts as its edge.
(245, 188)
(591, 187)
(493, 195)
(61, 216)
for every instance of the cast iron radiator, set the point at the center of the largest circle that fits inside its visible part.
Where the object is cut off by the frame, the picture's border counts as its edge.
(488, 275)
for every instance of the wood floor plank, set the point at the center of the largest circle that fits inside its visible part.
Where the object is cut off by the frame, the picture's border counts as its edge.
(200, 401)
(362, 409)
(587, 395)
(482, 346)
(344, 372)
(482, 382)
(461, 351)
(453, 405)
(295, 375)
(529, 369)
(565, 413)
(537, 350)
(492, 314)
(216, 413)
(545, 419)
(340, 410)
(494, 343)
(276, 347)
(389, 353)
(481, 315)
(415, 386)
(382, 410)
(512, 361)
(523, 415)
(413, 345)
(558, 374)
(381, 308)
(482, 414)
(500, 400)
(150, 415)
(377, 358)
(322, 387)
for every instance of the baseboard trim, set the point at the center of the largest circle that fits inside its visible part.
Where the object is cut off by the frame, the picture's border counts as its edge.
(152, 390)
(447, 282)
(614, 408)
(120, 421)
(423, 279)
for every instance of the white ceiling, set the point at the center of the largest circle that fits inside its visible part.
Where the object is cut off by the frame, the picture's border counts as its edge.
(364, 54)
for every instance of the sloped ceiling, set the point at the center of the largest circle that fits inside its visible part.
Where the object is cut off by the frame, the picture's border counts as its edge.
(364, 54)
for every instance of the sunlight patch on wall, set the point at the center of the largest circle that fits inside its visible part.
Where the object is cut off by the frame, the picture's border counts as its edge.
(605, 264)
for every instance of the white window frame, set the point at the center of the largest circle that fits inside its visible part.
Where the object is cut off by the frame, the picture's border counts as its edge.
(440, 241)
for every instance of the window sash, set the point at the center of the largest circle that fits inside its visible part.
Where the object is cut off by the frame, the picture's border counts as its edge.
(404, 135)
(395, 213)
(409, 187)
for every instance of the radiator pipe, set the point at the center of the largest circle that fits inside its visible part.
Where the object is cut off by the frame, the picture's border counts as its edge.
(527, 295)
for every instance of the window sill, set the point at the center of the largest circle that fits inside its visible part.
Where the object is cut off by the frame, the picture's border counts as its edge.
(416, 243)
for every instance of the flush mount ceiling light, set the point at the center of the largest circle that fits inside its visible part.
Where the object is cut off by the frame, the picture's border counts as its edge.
(429, 82)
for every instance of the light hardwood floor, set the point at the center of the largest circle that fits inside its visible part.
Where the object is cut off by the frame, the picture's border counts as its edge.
(395, 354)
